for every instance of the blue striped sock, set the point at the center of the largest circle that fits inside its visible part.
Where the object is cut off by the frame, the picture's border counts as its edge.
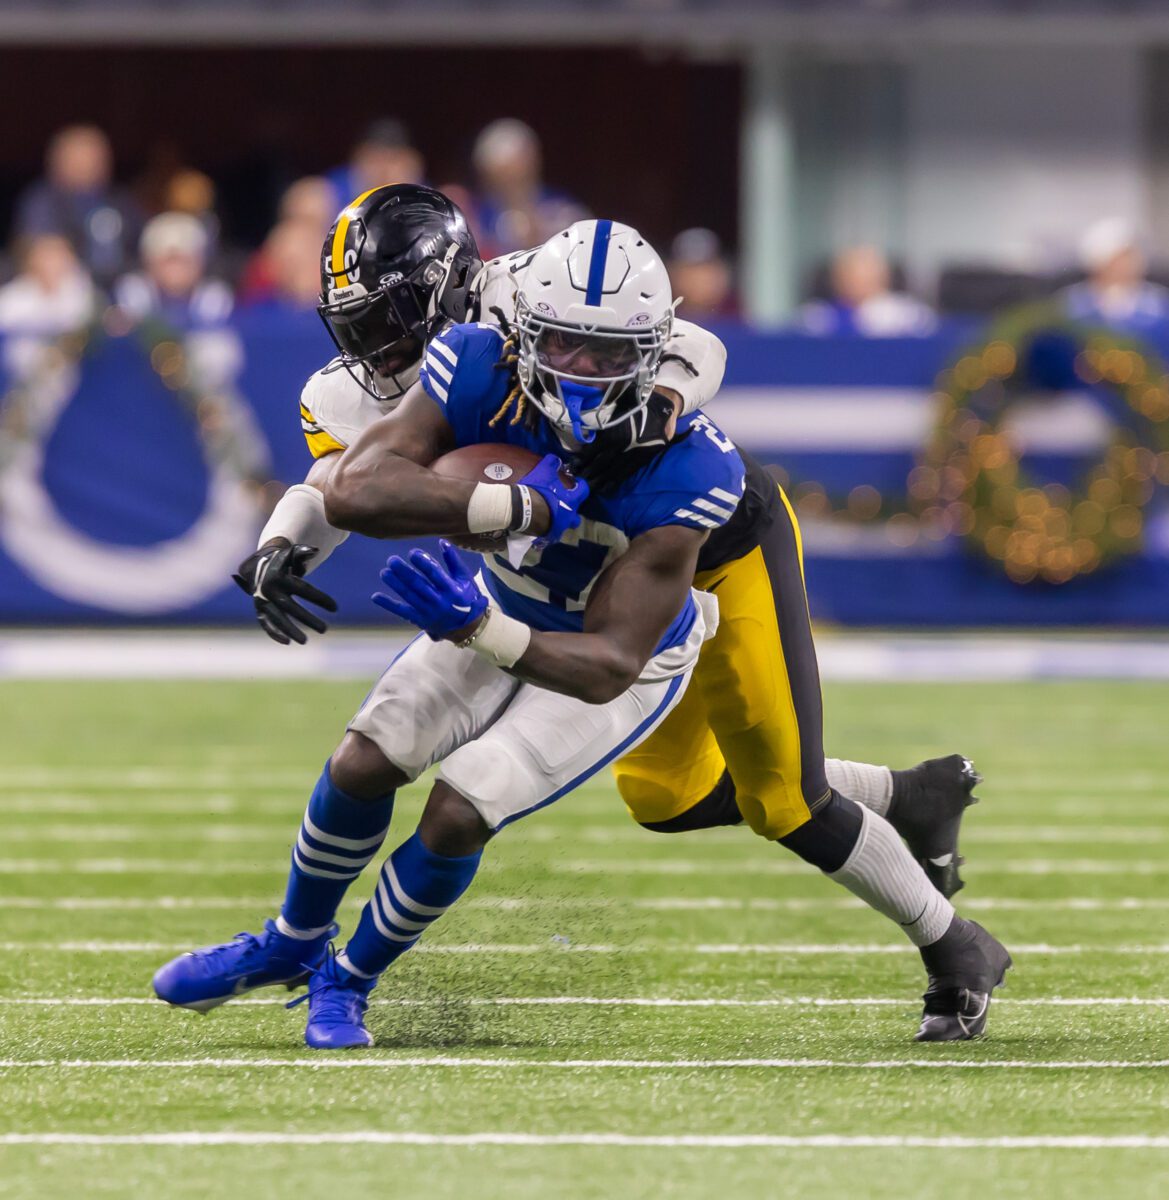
(414, 889)
(338, 837)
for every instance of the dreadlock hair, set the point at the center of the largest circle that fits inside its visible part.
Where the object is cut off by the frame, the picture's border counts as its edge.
(507, 362)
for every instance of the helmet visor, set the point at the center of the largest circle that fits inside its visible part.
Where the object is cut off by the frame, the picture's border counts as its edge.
(578, 354)
(374, 331)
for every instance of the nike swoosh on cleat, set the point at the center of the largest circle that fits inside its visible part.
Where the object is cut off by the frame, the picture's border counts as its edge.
(943, 861)
(975, 1017)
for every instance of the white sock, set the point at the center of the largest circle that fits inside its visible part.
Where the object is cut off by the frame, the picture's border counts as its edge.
(344, 963)
(869, 786)
(301, 935)
(882, 872)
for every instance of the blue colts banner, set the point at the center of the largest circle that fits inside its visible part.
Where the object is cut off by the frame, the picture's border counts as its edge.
(128, 493)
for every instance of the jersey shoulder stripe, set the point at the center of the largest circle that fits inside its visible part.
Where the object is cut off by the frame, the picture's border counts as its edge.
(334, 409)
(439, 347)
(695, 518)
(445, 371)
(458, 369)
(697, 483)
(320, 441)
(719, 510)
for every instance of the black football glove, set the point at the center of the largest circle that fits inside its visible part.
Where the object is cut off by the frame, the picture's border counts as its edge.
(274, 577)
(618, 452)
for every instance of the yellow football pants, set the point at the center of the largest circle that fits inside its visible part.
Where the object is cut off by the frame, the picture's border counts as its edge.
(753, 706)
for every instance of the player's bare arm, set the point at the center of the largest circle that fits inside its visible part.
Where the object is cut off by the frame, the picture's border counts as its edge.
(383, 487)
(628, 612)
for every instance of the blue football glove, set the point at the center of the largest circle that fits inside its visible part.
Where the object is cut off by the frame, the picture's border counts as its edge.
(440, 598)
(563, 502)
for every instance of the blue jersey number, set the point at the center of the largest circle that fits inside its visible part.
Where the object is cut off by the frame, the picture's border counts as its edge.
(567, 571)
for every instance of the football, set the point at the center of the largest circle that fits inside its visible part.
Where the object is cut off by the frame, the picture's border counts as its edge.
(492, 462)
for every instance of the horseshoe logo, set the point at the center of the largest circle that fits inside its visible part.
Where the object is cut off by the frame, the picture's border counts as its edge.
(136, 580)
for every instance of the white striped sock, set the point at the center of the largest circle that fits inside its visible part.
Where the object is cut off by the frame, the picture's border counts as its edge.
(882, 872)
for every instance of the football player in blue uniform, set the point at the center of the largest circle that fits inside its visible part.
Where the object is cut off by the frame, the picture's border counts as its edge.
(576, 646)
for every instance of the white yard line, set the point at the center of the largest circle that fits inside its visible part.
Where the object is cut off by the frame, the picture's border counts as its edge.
(619, 837)
(151, 778)
(781, 866)
(666, 1002)
(349, 1062)
(666, 866)
(555, 946)
(1069, 785)
(697, 1141)
(591, 904)
(241, 654)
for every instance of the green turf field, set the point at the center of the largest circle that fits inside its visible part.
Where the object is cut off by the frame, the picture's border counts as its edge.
(623, 1007)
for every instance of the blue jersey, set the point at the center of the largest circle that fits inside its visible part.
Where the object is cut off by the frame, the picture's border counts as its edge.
(697, 483)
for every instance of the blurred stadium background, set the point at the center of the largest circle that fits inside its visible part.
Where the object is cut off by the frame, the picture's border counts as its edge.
(934, 235)
(930, 234)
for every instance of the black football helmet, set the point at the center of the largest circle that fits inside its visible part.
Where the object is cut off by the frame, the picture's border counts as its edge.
(396, 267)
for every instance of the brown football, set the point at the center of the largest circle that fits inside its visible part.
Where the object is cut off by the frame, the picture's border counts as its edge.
(491, 462)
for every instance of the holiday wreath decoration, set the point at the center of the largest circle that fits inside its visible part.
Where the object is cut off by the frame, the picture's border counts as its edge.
(973, 480)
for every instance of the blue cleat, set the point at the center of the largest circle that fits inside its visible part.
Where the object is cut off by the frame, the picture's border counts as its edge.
(337, 1001)
(204, 979)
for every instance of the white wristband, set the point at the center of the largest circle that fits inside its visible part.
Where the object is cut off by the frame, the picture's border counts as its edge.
(489, 509)
(501, 639)
(300, 517)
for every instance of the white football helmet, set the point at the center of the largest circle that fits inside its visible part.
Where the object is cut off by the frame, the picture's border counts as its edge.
(593, 312)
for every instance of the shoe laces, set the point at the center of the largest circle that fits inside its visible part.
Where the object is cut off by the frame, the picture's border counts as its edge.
(333, 999)
(249, 942)
(952, 1001)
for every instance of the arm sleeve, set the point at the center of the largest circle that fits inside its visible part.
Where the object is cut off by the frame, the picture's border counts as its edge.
(696, 373)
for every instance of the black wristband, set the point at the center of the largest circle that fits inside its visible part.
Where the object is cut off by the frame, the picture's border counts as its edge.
(521, 509)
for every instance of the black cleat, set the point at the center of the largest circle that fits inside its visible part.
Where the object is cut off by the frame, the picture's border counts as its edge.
(965, 966)
(926, 810)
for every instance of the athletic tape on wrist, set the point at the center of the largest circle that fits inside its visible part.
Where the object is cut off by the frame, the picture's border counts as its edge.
(501, 639)
(300, 517)
(490, 508)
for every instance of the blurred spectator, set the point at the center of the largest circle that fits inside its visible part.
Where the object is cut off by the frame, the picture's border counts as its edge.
(514, 208)
(310, 201)
(862, 300)
(700, 276)
(78, 200)
(383, 155)
(172, 284)
(292, 258)
(193, 192)
(1116, 293)
(309, 205)
(53, 294)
